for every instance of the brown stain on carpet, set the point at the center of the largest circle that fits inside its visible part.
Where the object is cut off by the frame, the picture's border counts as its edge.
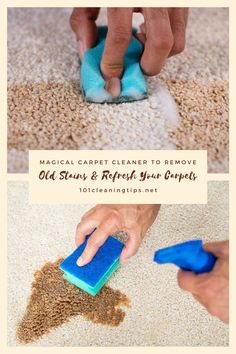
(54, 116)
(204, 112)
(48, 116)
(55, 301)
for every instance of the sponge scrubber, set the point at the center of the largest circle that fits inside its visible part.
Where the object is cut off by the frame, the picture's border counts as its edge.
(95, 274)
(133, 86)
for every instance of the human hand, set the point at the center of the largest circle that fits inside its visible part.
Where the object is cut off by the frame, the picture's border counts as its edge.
(134, 219)
(162, 35)
(211, 289)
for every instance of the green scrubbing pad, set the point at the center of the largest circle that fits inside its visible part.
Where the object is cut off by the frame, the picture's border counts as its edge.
(95, 274)
(133, 86)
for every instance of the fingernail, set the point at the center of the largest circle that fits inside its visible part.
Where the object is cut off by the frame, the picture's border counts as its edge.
(81, 49)
(113, 86)
(80, 261)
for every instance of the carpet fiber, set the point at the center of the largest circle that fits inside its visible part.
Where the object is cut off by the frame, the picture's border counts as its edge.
(163, 314)
(46, 110)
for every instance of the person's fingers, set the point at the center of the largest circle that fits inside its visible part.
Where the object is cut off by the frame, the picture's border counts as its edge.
(117, 41)
(188, 281)
(225, 316)
(89, 212)
(215, 309)
(219, 249)
(159, 40)
(97, 239)
(84, 228)
(83, 24)
(113, 86)
(186, 12)
(143, 28)
(201, 300)
(141, 33)
(89, 221)
(178, 21)
(141, 37)
(131, 246)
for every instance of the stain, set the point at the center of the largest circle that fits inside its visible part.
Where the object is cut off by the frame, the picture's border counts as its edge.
(55, 301)
(204, 112)
(48, 116)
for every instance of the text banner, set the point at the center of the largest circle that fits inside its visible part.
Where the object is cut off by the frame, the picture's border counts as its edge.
(120, 176)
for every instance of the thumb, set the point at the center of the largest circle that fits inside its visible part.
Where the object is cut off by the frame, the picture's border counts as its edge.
(117, 41)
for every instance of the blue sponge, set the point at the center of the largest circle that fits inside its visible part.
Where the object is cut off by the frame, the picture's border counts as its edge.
(93, 275)
(189, 255)
(133, 86)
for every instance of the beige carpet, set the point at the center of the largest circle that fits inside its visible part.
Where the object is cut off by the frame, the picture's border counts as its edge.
(46, 110)
(160, 313)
